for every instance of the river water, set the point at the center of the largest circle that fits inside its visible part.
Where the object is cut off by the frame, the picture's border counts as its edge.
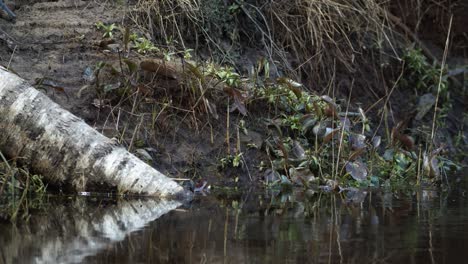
(427, 226)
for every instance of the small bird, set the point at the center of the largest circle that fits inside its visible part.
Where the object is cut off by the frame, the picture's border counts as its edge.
(7, 10)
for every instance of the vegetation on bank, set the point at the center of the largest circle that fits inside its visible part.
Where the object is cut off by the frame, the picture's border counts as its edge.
(20, 190)
(310, 139)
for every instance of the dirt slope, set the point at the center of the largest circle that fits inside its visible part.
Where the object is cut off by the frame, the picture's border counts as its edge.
(56, 40)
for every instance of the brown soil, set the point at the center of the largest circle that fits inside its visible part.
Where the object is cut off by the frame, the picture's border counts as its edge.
(55, 40)
(432, 21)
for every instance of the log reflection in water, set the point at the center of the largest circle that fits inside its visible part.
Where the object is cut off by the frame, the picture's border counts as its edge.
(69, 232)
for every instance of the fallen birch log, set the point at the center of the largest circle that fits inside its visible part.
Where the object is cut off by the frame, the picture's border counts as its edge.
(51, 141)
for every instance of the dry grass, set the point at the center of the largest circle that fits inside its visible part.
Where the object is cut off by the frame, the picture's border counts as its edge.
(166, 19)
(303, 38)
(325, 31)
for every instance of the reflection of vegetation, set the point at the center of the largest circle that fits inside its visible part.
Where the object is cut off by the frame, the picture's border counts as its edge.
(353, 224)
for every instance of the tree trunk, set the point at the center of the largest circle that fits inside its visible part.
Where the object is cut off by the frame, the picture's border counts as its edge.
(51, 141)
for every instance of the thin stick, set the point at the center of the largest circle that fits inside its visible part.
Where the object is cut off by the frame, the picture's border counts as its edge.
(5, 160)
(11, 57)
(444, 58)
(418, 177)
(342, 130)
(7, 10)
(227, 130)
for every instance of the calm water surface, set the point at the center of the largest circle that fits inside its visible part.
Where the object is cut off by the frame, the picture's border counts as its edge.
(248, 227)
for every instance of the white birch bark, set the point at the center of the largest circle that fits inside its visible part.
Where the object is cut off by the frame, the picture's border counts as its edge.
(51, 141)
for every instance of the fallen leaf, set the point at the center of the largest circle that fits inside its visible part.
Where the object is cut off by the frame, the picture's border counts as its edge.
(345, 123)
(49, 83)
(88, 75)
(354, 195)
(376, 141)
(330, 111)
(357, 141)
(105, 42)
(320, 129)
(407, 141)
(425, 103)
(308, 121)
(328, 99)
(301, 177)
(239, 100)
(329, 133)
(271, 176)
(297, 150)
(111, 87)
(161, 68)
(291, 85)
(143, 154)
(357, 170)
